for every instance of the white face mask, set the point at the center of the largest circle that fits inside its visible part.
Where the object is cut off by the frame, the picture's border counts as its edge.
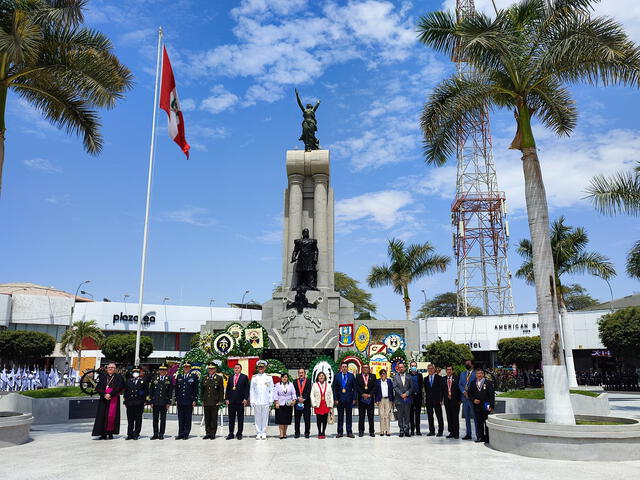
(135, 375)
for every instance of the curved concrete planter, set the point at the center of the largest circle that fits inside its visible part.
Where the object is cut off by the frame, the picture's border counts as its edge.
(565, 442)
(582, 405)
(14, 428)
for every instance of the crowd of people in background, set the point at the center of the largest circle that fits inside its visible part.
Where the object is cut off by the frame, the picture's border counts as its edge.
(22, 379)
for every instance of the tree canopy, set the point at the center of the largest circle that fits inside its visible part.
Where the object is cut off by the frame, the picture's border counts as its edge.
(25, 346)
(121, 348)
(444, 305)
(620, 331)
(445, 352)
(576, 297)
(523, 351)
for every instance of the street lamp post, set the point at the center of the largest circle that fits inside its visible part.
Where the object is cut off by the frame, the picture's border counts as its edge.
(242, 303)
(73, 308)
(211, 300)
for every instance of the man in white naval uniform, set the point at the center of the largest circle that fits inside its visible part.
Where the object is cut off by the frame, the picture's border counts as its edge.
(261, 397)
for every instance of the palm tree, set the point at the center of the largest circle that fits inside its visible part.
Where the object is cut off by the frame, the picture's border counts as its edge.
(407, 264)
(73, 337)
(64, 70)
(569, 258)
(620, 194)
(523, 60)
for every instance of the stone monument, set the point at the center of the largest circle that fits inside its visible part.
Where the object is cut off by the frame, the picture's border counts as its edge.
(306, 310)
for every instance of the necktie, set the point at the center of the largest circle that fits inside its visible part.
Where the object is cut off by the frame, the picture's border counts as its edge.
(431, 380)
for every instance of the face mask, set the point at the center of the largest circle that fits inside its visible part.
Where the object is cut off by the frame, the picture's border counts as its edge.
(414, 369)
(135, 375)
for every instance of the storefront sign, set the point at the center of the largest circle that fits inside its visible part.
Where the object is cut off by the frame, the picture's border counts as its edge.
(148, 318)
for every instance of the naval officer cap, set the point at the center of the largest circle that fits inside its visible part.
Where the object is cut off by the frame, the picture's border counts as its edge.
(163, 367)
(186, 364)
(136, 370)
(261, 363)
(211, 365)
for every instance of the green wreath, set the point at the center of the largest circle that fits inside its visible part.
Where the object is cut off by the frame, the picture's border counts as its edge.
(275, 366)
(265, 337)
(397, 355)
(323, 358)
(353, 353)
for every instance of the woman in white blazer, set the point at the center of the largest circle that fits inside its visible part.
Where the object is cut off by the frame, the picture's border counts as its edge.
(322, 402)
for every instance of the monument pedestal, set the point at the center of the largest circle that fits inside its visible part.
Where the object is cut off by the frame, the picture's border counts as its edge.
(308, 204)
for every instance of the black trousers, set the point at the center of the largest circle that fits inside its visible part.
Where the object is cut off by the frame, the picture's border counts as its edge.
(210, 419)
(345, 407)
(453, 417)
(159, 413)
(367, 410)
(236, 411)
(438, 411)
(185, 413)
(480, 417)
(321, 420)
(134, 420)
(414, 413)
(300, 414)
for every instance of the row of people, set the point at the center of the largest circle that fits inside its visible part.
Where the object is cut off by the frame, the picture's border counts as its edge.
(295, 400)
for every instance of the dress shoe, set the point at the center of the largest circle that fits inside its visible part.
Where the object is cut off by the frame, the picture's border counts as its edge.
(206, 437)
(239, 436)
(296, 435)
(231, 436)
(178, 437)
(136, 437)
(412, 432)
(388, 434)
(155, 437)
(372, 434)
(439, 434)
(161, 437)
(456, 437)
(185, 437)
(102, 437)
(306, 435)
(111, 436)
(339, 435)
(466, 437)
(450, 435)
(401, 435)
(212, 437)
(479, 440)
(418, 433)
(430, 434)
(129, 437)
(361, 434)
(351, 435)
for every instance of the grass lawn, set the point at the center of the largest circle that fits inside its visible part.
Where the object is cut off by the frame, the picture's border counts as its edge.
(578, 422)
(55, 392)
(538, 394)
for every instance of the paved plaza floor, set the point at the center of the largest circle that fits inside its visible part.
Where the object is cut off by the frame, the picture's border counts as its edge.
(67, 452)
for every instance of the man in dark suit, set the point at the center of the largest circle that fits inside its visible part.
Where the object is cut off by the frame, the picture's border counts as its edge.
(483, 396)
(416, 399)
(366, 385)
(433, 400)
(451, 398)
(344, 395)
(302, 407)
(236, 397)
(186, 396)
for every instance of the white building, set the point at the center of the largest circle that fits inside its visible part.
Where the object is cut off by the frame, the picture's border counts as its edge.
(482, 334)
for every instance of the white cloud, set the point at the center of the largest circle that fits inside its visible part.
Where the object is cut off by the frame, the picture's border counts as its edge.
(41, 165)
(384, 209)
(138, 37)
(64, 199)
(288, 48)
(187, 105)
(568, 164)
(190, 215)
(220, 100)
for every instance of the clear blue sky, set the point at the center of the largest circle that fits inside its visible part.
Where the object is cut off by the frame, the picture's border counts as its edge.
(215, 229)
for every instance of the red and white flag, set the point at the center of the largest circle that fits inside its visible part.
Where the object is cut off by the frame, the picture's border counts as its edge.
(169, 103)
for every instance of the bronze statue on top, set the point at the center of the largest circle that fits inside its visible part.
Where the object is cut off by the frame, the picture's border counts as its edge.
(305, 254)
(309, 125)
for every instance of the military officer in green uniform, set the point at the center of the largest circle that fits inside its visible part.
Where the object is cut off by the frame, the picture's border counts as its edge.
(212, 396)
(160, 393)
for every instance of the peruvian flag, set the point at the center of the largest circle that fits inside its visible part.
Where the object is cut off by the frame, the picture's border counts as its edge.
(169, 103)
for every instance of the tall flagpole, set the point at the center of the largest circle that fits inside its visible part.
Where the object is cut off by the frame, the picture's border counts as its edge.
(146, 215)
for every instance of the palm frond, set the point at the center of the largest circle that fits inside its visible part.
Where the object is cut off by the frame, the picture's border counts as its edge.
(438, 31)
(63, 12)
(619, 193)
(526, 272)
(554, 106)
(633, 261)
(525, 249)
(382, 276)
(20, 38)
(592, 263)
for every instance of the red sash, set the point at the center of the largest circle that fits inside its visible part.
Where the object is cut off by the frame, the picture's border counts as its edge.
(301, 388)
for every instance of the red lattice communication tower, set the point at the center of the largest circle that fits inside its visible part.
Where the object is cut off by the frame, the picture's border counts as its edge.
(479, 214)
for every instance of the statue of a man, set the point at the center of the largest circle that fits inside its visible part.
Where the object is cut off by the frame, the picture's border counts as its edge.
(309, 125)
(305, 254)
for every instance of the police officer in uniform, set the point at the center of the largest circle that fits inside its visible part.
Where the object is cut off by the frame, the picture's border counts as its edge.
(212, 396)
(135, 394)
(186, 395)
(160, 392)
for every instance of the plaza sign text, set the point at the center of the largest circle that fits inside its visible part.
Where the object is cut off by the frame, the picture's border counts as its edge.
(133, 318)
